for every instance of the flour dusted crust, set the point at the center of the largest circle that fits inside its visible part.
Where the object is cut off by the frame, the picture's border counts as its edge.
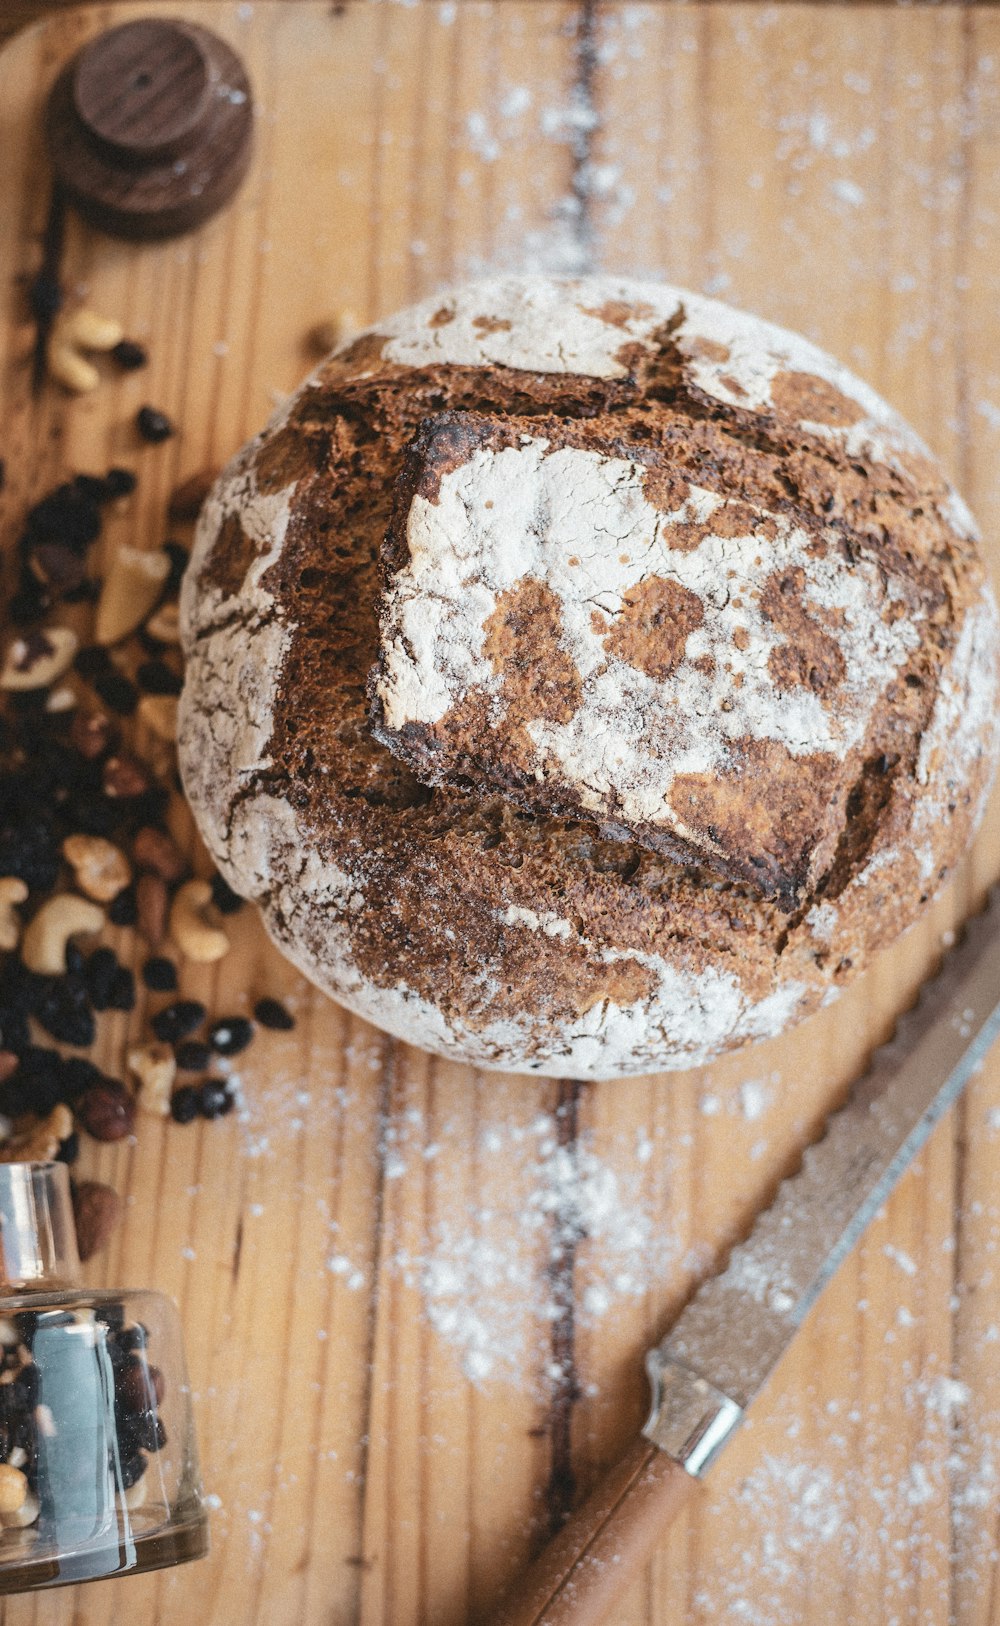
(535, 932)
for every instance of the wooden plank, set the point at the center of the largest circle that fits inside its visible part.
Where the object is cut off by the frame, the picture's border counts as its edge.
(415, 1300)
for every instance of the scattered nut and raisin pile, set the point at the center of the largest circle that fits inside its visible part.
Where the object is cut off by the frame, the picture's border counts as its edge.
(85, 842)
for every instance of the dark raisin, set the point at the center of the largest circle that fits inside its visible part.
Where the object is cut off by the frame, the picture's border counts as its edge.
(122, 994)
(64, 1012)
(120, 482)
(150, 1432)
(178, 556)
(225, 899)
(26, 1386)
(184, 1104)
(131, 1470)
(153, 425)
(118, 692)
(214, 1099)
(122, 910)
(45, 297)
(91, 661)
(99, 977)
(160, 974)
(77, 1075)
(69, 1149)
(132, 1339)
(270, 1013)
(156, 677)
(193, 1056)
(129, 356)
(230, 1035)
(177, 1020)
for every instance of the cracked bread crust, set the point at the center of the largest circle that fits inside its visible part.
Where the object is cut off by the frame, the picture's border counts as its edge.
(524, 938)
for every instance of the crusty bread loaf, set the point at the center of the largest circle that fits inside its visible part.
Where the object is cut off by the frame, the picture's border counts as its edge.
(585, 677)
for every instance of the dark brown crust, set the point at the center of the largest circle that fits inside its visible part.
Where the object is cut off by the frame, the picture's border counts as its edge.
(771, 820)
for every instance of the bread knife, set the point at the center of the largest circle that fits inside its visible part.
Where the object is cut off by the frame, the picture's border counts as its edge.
(719, 1354)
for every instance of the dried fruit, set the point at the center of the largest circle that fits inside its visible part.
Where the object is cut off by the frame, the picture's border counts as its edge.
(176, 1021)
(129, 356)
(196, 937)
(99, 868)
(106, 1111)
(60, 918)
(79, 331)
(160, 975)
(97, 1210)
(156, 850)
(12, 892)
(91, 733)
(152, 903)
(155, 1067)
(164, 624)
(153, 425)
(270, 1013)
(231, 1035)
(36, 661)
(125, 776)
(38, 1140)
(131, 588)
(158, 713)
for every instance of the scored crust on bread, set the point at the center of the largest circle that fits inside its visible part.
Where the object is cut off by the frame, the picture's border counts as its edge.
(571, 620)
(512, 936)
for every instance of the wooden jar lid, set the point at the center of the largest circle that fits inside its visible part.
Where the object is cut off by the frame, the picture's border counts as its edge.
(149, 127)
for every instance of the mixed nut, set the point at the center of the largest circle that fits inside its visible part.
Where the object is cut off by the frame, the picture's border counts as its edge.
(40, 1355)
(85, 837)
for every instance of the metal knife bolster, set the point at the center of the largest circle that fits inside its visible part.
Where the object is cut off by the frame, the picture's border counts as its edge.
(734, 1330)
(691, 1419)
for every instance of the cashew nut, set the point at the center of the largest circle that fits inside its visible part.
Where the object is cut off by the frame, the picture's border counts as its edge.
(38, 660)
(39, 1139)
(191, 930)
(43, 947)
(159, 714)
(26, 1514)
(166, 624)
(12, 891)
(74, 333)
(155, 1068)
(13, 1488)
(131, 588)
(100, 869)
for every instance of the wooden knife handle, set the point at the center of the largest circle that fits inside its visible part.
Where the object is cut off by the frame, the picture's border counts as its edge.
(577, 1578)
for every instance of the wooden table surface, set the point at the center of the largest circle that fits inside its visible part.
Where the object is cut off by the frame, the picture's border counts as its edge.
(415, 1297)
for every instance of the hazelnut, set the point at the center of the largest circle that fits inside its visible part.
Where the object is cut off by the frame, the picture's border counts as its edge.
(157, 851)
(106, 1111)
(91, 732)
(124, 775)
(97, 1210)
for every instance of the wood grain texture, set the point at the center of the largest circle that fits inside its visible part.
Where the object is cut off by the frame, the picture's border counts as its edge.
(407, 1345)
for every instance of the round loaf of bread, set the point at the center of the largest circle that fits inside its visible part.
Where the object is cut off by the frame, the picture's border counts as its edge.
(586, 677)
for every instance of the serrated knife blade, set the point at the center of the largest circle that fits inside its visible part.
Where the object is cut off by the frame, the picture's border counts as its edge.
(727, 1341)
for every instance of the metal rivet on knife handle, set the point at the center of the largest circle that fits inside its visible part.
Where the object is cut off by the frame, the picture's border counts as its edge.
(735, 1329)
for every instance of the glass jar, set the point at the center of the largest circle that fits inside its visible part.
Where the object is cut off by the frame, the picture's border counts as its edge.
(98, 1464)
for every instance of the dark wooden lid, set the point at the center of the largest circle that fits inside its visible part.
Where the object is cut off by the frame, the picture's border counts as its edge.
(149, 127)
